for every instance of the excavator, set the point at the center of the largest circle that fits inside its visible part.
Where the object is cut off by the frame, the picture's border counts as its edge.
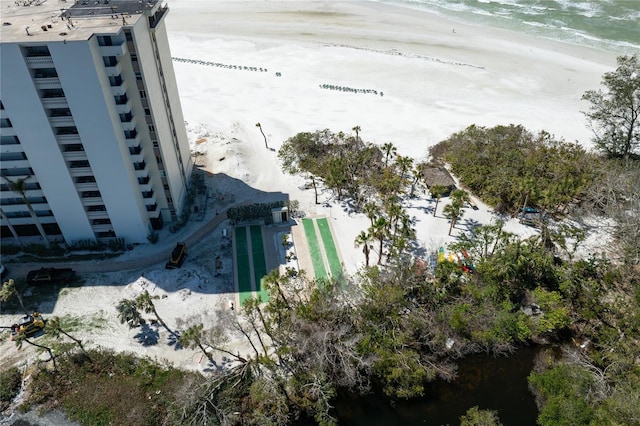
(28, 324)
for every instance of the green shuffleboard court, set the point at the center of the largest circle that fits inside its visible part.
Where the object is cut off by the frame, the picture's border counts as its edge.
(330, 249)
(314, 250)
(259, 261)
(250, 254)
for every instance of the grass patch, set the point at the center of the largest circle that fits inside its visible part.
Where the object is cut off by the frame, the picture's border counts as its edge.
(10, 381)
(112, 389)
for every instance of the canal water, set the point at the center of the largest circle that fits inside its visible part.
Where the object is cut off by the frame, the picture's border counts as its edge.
(498, 384)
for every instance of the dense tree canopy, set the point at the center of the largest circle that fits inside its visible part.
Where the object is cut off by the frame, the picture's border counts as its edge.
(509, 167)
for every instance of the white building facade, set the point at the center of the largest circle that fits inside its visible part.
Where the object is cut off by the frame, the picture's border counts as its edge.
(93, 143)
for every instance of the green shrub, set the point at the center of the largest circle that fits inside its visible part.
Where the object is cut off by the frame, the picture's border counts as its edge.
(10, 381)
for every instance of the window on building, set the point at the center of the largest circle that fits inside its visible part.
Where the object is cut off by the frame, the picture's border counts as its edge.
(105, 41)
(45, 73)
(28, 186)
(9, 140)
(135, 150)
(126, 117)
(106, 234)
(152, 128)
(1, 105)
(78, 164)
(121, 99)
(52, 93)
(128, 36)
(115, 81)
(147, 111)
(12, 156)
(66, 130)
(143, 94)
(90, 194)
(17, 171)
(134, 57)
(98, 208)
(130, 134)
(4, 123)
(139, 165)
(152, 207)
(138, 76)
(85, 179)
(147, 194)
(102, 221)
(73, 147)
(110, 61)
(32, 51)
(59, 112)
(144, 180)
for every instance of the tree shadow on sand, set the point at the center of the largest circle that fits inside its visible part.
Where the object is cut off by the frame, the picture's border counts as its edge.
(147, 336)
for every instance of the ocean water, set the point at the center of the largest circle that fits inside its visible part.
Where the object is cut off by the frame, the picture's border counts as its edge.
(612, 25)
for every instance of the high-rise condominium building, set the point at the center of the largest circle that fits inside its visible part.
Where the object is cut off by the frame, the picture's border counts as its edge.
(93, 140)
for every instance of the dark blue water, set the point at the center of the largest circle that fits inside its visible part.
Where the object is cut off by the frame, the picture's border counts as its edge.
(498, 384)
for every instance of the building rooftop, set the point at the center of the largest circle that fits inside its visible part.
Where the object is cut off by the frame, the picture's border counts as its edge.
(36, 21)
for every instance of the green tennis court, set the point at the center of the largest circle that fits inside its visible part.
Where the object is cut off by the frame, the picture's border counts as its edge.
(314, 250)
(330, 249)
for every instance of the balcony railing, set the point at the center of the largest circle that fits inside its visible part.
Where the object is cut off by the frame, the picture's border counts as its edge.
(39, 61)
(61, 121)
(60, 102)
(47, 83)
(114, 50)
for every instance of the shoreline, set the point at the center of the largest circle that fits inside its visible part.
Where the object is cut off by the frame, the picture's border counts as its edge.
(436, 82)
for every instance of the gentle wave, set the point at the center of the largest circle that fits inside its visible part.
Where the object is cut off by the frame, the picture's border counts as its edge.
(611, 25)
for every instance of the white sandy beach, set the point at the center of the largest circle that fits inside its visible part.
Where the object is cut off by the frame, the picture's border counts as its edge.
(437, 76)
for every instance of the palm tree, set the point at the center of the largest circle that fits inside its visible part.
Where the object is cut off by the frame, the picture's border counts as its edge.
(357, 130)
(389, 151)
(372, 211)
(144, 301)
(19, 187)
(453, 212)
(128, 313)
(379, 231)
(8, 290)
(461, 195)
(437, 191)
(418, 174)
(364, 239)
(11, 228)
(259, 126)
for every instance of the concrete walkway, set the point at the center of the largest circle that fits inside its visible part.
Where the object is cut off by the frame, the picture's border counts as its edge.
(113, 265)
